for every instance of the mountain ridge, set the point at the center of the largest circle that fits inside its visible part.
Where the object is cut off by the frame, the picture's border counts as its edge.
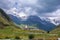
(5, 20)
(32, 20)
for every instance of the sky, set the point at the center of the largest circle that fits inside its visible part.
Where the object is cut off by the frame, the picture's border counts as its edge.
(43, 8)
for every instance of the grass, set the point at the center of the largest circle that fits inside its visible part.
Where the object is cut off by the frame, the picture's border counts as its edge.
(12, 32)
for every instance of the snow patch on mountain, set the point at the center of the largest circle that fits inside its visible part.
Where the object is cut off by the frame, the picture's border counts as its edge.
(54, 20)
(25, 14)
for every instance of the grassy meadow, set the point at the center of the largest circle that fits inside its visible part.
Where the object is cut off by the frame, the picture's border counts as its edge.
(11, 32)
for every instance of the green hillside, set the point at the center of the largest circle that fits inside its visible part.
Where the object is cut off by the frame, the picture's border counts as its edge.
(56, 31)
(8, 29)
(4, 19)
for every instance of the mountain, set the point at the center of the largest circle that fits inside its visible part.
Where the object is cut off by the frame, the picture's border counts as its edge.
(5, 20)
(34, 20)
(53, 20)
(15, 19)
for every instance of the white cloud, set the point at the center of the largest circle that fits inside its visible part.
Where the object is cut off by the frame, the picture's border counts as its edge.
(22, 15)
(57, 13)
(20, 6)
(53, 17)
(26, 7)
(28, 1)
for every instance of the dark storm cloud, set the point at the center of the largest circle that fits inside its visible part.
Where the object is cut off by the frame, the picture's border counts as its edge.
(48, 6)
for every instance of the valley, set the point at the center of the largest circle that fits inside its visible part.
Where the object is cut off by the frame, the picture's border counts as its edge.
(10, 30)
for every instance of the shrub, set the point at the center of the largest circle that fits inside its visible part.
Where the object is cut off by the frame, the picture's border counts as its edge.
(31, 36)
(17, 38)
(6, 37)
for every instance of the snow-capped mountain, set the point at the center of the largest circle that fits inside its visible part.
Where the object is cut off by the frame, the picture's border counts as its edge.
(53, 20)
(23, 16)
(40, 23)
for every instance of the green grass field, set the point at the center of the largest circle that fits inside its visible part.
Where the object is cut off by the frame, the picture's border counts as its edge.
(12, 32)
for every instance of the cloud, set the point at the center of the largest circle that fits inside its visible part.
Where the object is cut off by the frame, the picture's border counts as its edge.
(48, 5)
(32, 7)
(52, 14)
